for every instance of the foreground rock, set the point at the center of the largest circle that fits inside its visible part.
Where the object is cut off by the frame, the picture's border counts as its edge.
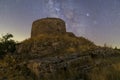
(55, 67)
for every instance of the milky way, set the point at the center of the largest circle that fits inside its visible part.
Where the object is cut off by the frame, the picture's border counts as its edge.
(58, 9)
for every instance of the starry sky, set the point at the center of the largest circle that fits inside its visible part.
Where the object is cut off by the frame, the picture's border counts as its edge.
(97, 20)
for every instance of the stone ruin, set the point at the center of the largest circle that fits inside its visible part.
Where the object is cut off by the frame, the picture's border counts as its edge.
(48, 26)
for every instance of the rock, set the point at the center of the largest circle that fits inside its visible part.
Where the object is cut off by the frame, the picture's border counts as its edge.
(52, 65)
(53, 51)
(48, 26)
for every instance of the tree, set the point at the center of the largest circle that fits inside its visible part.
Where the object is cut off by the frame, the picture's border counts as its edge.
(7, 45)
(6, 37)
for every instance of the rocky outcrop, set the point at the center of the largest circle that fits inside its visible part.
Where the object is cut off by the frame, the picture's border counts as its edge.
(54, 53)
(47, 67)
(48, 26)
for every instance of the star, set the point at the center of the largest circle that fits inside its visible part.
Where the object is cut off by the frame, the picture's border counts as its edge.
(87, 14)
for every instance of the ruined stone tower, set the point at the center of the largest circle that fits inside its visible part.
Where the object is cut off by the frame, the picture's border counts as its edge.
(48, 26)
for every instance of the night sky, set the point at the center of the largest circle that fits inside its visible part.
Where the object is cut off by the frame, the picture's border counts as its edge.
(97, 20)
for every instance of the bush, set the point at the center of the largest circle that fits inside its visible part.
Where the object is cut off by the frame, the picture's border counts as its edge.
(7, 45)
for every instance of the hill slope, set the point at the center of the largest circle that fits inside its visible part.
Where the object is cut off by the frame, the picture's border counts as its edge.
(56, 56)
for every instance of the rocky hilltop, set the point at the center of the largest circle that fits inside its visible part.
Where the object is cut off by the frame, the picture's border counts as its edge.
(49, 36)
(54, 54)
(52, 50)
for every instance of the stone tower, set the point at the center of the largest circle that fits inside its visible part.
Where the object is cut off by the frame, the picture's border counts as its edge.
(48, 26)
